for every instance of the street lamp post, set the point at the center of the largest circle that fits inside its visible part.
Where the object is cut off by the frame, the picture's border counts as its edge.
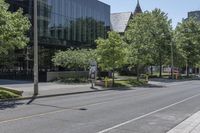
(35, 49)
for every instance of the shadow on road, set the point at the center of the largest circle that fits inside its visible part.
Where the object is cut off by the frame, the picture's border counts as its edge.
(164, 80)
(31, 100)
(9, 104)
(153, 86)
(122, 88)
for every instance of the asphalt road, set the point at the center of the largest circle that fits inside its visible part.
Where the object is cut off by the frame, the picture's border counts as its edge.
(142, 110)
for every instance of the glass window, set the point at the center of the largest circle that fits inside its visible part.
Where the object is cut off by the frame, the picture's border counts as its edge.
(71, 21)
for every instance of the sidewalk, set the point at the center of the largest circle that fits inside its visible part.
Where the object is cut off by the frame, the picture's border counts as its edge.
(169, 82)
(190, 125)
(56, 89)
(49, 89)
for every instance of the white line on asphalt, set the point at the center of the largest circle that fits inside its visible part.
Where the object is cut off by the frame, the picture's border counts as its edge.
(62, 110)
(148, 114)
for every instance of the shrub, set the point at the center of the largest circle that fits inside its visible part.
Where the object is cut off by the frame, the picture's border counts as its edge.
(7, 95)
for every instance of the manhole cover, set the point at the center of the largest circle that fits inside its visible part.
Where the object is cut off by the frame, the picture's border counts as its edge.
(83, 109)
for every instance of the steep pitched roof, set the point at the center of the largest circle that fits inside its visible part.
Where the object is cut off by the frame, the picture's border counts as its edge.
(119, 21)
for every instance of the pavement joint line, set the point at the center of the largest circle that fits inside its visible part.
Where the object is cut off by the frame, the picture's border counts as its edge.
(148, 114)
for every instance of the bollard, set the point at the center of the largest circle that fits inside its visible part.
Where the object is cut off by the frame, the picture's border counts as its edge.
(177, 76)
(106, 82)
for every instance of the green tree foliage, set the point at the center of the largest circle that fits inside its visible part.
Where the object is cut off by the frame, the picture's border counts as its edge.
(162, 37)
(187, 36)
(139, 38)
(45, 56)
(149, 35)
(13, 28)
(111, 52)
(74, 59)
(7, 61)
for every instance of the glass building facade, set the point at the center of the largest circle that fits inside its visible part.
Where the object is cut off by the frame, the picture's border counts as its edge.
(62, 24)
(67, 23)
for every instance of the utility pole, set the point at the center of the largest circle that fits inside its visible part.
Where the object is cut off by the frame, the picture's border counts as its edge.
(35, 49)
(172, 61)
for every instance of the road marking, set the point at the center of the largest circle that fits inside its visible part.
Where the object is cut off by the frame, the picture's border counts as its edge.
(62, 110)
(91, 104)
(148, 114)
(57, 111)
(31, 116)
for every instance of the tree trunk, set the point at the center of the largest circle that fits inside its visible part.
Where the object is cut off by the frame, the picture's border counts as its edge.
(196, 70)
(160, 74)
(199, 70)
(113, 77)
(188, 71)
(160, 64)
(172, 72)
(151, 71)
(138, 72)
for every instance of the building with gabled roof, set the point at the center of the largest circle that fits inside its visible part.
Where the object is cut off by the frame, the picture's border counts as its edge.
(119, 21)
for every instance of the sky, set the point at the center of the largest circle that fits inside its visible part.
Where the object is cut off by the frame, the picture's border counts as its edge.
(176, 9)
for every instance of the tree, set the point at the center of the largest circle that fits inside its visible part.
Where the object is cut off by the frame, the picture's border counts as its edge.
(7, 61)
(139, 39)
(149, 35)
(13, 29)
(74, 59)
(187, 39)
(111, 52)
(162, 37)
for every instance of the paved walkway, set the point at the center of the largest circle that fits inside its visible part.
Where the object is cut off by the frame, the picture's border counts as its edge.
(169, 82)
(58, 88)
(190, 125)
(48, 88)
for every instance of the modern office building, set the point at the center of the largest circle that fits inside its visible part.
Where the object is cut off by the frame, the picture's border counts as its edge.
(119, 21)
(62, 24)
(68, 23)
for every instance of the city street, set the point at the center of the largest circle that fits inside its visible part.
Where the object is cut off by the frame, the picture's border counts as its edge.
(99, 66)
(139, 110)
